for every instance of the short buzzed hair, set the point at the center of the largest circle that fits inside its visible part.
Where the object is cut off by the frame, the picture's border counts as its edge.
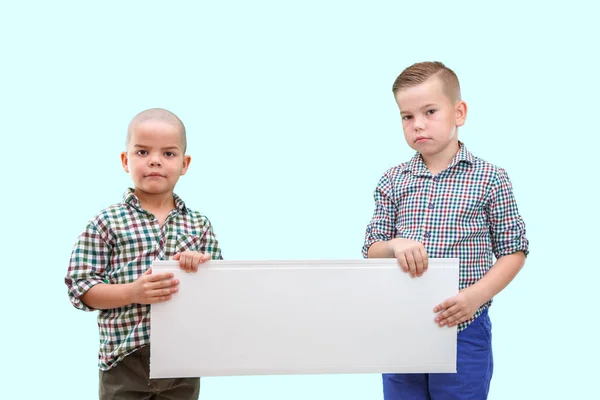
(157, 114)
(420, 72)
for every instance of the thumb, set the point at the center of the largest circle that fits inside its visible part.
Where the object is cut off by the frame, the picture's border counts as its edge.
(176, 256)
(148, 271)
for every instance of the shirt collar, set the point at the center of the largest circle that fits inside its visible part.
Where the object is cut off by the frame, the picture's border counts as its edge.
(130, 198)
(417, 167)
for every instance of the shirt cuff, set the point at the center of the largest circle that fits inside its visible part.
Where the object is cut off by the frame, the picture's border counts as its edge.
(78, 289)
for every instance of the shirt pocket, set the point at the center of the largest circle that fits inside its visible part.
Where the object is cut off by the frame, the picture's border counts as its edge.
(186, 242)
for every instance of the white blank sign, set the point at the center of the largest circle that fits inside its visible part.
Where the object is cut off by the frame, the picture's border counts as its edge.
(302, 317)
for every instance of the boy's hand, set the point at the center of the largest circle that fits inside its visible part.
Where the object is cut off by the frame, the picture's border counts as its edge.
(411, 255)
(189, 260)
(456, 309)
(150, 289)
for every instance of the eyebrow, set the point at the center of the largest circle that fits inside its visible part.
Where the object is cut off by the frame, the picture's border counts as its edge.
(164, 148)
(422, 108)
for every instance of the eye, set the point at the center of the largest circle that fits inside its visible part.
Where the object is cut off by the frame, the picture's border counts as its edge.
(431, 111)
(169, 154)
(406, 117)
(141, 152)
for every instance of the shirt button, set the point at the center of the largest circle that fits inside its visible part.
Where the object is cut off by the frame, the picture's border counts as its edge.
(427, 234)
(435, 179)
(431, 206)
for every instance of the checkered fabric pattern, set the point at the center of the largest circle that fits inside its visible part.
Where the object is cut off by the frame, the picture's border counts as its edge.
(467, 211)
(118, 246)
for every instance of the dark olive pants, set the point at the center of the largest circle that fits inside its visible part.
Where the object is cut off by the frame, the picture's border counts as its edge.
(129, 380)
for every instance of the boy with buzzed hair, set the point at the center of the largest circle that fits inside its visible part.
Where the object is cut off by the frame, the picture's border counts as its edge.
(109, 270)
(445, 202)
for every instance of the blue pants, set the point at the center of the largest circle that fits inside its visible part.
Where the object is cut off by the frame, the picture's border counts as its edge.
(474, 366)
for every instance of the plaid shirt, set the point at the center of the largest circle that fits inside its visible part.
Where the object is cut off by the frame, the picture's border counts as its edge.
(118, 246)
(467, 211)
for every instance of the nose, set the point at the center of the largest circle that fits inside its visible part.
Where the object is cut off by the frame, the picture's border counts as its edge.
(154, 160)
(418, 124)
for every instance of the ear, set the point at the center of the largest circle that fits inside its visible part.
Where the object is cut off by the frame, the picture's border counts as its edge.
(125, 161)
(461, 113)
(186, 163)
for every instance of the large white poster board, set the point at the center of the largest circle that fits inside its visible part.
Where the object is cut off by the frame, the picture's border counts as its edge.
(303, 317)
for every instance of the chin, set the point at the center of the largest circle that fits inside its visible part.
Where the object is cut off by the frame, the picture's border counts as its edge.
(154, 190)
(431, 152)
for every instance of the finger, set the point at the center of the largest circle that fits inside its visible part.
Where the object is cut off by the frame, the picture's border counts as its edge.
(182, 260)
(157, 293)
(160, 276)
(412, 267)
(453, 319)
(204, 257)
(445, 304)
(167, 283)
(160, 299)
(196, 260)
(454, 323)
(418, 262)
(189, 262)
(148, 271)
(424, 257)
(156, 277)
(459, 321)
(176, 256)
(448, 315)
(402, 261)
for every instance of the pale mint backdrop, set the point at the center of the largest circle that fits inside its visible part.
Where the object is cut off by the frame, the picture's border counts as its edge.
(291, 122)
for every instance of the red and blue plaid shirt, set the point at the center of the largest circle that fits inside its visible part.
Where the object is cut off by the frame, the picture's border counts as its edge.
(118, 246)
(468, 211)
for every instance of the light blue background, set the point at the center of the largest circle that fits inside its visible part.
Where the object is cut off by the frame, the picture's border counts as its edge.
(291, 122)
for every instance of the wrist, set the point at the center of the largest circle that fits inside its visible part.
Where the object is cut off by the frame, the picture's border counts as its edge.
(390, 246)
(127, 293)
(477, 293)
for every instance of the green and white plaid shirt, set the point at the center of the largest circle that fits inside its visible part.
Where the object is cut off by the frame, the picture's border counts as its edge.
(118, 246)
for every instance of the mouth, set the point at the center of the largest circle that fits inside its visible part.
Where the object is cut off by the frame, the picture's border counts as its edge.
(421, 139)
(155, 175)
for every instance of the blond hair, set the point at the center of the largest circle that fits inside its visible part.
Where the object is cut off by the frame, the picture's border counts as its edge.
(420, 72)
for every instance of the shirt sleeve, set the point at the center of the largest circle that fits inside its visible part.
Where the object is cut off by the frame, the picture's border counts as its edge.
(506, 225)
(383, 223)
(209, 243)
(89, 259)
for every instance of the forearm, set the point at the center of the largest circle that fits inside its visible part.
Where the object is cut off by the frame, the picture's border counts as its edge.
(498, 277)
(105, 296)
(381, 249)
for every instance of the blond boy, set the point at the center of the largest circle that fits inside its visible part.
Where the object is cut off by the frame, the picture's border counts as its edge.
(445, 202)
(109, 270)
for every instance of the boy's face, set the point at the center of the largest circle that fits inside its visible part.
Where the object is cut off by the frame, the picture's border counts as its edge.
(430, 117)
(155, 157)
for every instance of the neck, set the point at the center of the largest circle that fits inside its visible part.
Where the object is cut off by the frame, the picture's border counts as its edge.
(155, 202)
(436, 163)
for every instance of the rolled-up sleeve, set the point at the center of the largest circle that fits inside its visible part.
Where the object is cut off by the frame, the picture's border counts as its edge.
(209, 243)
(382, 226)
(506, 224)
(90, 256)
